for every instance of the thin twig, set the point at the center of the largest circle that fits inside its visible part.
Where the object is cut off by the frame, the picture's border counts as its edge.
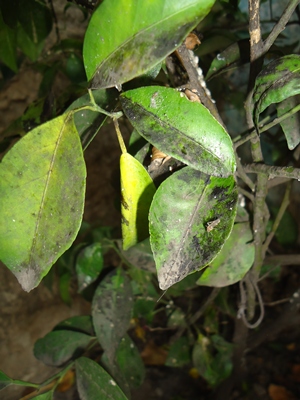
(283, 207)
(272, 171)
(197, 315)
(283, 259)
(280, 25)
(241, 173)
(242, 308)
(184, 57)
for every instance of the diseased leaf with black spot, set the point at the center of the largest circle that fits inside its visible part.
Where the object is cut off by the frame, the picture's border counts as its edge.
(181, 211)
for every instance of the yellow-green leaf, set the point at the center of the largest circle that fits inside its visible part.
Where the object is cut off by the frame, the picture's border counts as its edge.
(42, 185)
(137, 192)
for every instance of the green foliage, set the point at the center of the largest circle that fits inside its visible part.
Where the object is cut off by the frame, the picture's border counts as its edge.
(180, 225)
(112, 55)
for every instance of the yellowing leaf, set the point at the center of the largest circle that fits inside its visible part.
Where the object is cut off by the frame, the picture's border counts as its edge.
(42, 185)
(137, 190)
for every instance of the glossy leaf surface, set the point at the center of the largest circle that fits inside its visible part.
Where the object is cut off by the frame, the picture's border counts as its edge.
(126, 38)
(42, 187)
(180, 128)
(191, 217)
(58, 347)
(279, 80)
(137, 191)
(94, 383)
(234, 260)
(89, 264)
(111, 311)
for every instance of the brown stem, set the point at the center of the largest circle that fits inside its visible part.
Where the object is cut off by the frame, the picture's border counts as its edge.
(184, 57)
(272, 172)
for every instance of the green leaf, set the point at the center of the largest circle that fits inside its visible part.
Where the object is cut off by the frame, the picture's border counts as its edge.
(42, 185)
(291, 125)
(44, 396)
(8, 46)
(130, 362)
(137, 190)
(279, 80)
(8, 11)
(140, 255)
(222, 364)
(81, 324)
(202, 358)
(138, 146)
(191, 217)
(30, 49)
(5, 380)
(180, 128)
(94, 383)
(89, 264)
(179, 353)
(149, 33)
(234, 260)
(228, 59)
(59, 347)
(88, 123)
(35, 18)
(111, 311)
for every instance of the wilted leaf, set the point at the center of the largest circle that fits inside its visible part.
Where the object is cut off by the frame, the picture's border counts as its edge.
(113, 56)
(234, 260)
(180, 128)
(191, 217)
(58, 347)
(42, 185)
(94, 383)
(111, 311)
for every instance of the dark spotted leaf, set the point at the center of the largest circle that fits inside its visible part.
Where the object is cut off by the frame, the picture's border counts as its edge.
(58, 347)
(111, 311)
(42, 187)
(126, 38)
(180, 128)
(94, 383)
(234, 260)
(191, 217)
(279, 80)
